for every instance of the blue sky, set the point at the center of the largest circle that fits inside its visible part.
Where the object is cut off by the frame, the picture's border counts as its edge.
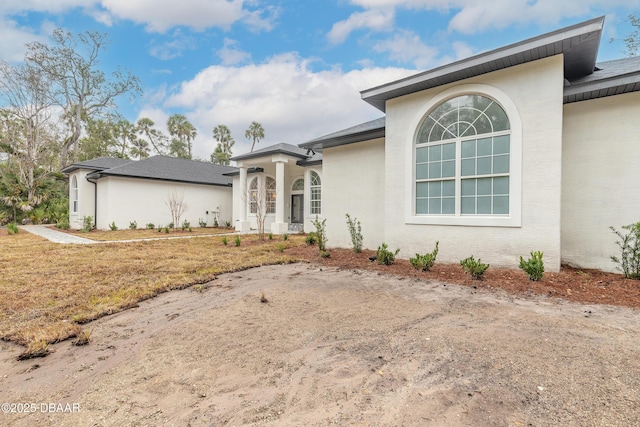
(294, 66)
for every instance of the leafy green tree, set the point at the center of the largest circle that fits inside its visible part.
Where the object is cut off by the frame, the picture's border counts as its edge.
(98, 141)
(153, 136)
(182, 134)
(222, 153)
(125, 137)
(78, 85)
(255, 132)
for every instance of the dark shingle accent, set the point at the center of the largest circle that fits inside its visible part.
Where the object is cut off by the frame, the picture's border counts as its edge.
(281, 148)
(101, 163)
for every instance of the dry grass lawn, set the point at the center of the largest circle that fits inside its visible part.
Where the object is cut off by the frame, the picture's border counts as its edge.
(48, 290)
(143, 233)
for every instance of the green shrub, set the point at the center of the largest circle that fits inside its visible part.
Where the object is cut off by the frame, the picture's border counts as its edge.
(63, 224)
(12, 228)
(150, 226)
(426, 261)
(166, 230)
(285, 236)
(215, 223)
(225, 241)
(325, 254)
(311, 239)
(237, 241)
(270, 235)
(475, 268)
(280, 247)
(160, 228)
(227, 223)
(629, 244)
(170, 225)
(185, 225)
(202, 223)
(113, 226)
(384, 256)
(133, 225)
(355, 230)
(321, 233)
(87, 223)
(534, 267)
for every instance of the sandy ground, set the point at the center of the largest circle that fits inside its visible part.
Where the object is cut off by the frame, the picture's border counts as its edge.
(335, 347)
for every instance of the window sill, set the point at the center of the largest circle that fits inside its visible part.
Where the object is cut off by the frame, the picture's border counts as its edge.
(472, 221)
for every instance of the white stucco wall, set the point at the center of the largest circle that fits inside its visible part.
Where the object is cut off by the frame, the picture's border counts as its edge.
(86, 199)
(601, 174)
(353, 183)
(122, 200)
(535, 90)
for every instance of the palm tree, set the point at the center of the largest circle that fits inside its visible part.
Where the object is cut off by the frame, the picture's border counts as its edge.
(255, 132)
(222, 153)
(182, 132)
(154, 136)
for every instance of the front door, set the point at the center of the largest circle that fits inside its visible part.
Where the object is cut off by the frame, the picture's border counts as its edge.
(297, 208)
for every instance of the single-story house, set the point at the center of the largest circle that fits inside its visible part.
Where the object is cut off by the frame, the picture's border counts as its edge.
(120, 191)
(529, 147)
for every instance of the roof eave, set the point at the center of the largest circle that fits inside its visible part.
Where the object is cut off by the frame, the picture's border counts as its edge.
(320, 144)
(602, 88)
(579, 43)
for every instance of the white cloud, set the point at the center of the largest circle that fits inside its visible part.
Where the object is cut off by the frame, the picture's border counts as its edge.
(406, 47)
(14, 38)
(161, 15)
(174, 48)
(230, 55)
(292, 102)
(57, 6)
(374, 19)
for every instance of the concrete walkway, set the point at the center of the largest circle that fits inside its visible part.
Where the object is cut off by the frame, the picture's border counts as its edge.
(55, 235)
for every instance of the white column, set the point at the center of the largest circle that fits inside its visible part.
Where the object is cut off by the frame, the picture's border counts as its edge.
(280, 226)
(242, 225)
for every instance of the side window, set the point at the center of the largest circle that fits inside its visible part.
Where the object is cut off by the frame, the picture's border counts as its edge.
(315, 188)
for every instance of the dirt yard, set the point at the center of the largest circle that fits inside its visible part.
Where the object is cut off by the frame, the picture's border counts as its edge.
(316, 345)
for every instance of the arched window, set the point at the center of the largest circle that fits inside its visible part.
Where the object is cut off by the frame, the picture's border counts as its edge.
(265, 193)
(462, 158)
(74, 194)
(298, 185)
(315, 188)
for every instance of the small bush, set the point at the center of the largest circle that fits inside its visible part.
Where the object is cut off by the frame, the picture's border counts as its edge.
(186, 225)
(227, 223)
(202, 223)
(225, 241)
(311, 239)
(629, 244)
(87, 223)
(280, 247)
(133, 225)
(384, 256)
(113, 226)
(321, 232)
(285, 236)
(150, 226)
(325, 254)
(475, 268)
(63, 224)
(534, 267)
(160, 228)
(170, 225)
(12, 228)
(270, 236)
(237, 241)
(166, 230)
(355, 230)
(215, 223)
(426, 261)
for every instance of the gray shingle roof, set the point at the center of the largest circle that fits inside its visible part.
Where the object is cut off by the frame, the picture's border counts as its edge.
(172, 169)
(610, 78)
(363, 132)
(281, 148)
(101, 163)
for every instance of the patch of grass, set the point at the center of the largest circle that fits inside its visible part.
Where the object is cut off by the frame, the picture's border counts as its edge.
(79, 283)
(83, 337)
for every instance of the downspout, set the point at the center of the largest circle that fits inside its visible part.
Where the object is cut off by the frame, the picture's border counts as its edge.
(95, 201)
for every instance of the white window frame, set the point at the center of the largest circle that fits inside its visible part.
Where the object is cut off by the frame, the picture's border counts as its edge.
(75, 204)
(514, 218)
(312, 212)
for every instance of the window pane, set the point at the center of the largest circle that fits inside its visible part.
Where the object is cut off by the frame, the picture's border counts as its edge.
(484, 186)
(435, 189)
(501, 164)
(468, 167)
(421, 171)
(468, 187)
(498, 117)
(484, 147)
(501, 144)
(484, 204)
(435, 206)
(483, 125)
(435, 170)
(448, 169)
(468, 205)
(466, 129)
(435, 153)
(422, 189)
(448, 188)
(421, 155)
(423, 133)
(484, 166)
(448, 151)
(448, 205)
(468, 149)
(501, 185)
(422, 206)
(501, 205)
